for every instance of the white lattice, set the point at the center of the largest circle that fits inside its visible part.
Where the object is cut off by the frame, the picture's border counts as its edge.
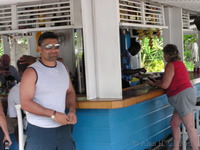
(36, 16)
(139, 12)
(186, 20)
(5, 18)
(192, 5)
(44, 15)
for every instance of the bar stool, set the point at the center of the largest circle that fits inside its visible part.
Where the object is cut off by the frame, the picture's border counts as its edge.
(22, 136)
(197, 126)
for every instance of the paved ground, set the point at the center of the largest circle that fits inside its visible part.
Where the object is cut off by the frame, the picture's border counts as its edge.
(188, 147)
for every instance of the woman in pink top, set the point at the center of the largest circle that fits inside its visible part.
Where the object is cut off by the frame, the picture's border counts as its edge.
(181, 95)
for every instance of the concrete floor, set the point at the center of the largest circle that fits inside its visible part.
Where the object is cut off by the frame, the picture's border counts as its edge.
(188, 147)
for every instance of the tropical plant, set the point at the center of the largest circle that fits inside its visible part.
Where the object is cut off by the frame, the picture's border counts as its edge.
(188, 59)
(152, 56)
(1, 47)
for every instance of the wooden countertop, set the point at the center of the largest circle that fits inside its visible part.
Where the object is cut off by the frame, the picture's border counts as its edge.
(131, 96)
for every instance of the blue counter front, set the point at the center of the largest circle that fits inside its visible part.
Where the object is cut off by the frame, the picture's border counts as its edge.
(135, 127)
(137, 122)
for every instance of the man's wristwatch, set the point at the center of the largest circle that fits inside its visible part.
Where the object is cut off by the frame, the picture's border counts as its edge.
(53, 115)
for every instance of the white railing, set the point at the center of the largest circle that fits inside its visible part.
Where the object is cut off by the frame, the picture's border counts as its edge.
(34, 16)
(5, 18)
(141, 13)
(44, 15)
(186, 20)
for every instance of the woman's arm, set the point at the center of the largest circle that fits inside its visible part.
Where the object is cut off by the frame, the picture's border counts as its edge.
(4, 125)
(167, 78)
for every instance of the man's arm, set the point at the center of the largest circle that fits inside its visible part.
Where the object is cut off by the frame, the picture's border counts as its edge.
(133, 71)
(27, 92)
(71, 104)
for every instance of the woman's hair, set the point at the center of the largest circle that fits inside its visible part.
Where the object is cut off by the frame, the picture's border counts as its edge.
(171, 52)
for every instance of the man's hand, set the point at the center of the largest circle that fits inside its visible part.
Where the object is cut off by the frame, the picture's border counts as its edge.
(142, 70)
(72, 117)
(61, 118)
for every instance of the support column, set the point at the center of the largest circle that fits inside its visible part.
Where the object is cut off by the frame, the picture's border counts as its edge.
(102, 48)
(174, 33)
(198, 42)
(13, 52)
(13, 41)
(6, 45)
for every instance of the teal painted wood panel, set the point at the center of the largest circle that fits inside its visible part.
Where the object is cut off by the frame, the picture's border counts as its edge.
(132, 128)
(145, 123)
(197, 89)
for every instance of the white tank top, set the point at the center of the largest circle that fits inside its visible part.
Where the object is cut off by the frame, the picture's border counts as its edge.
(51, 87)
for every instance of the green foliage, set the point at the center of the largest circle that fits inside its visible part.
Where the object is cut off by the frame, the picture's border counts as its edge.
(188, 41)
(155, 66)
(189, 65)
(152, 57)
(187, 55)
(1, 47)
(22, 41)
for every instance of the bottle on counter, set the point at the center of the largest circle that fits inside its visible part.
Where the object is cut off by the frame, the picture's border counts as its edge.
(197, 67)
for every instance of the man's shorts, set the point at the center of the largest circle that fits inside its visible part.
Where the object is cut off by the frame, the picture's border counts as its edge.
(184, 102)
(59, 138)
(1, 139)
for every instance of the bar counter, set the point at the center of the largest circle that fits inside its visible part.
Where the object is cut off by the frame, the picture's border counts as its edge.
(131, 96)
(136, 122)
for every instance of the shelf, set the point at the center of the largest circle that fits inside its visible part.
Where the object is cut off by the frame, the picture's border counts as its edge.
(142, 26)
(37, 29)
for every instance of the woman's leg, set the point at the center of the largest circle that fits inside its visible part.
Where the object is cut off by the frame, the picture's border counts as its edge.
(175, 125)
(188, 121)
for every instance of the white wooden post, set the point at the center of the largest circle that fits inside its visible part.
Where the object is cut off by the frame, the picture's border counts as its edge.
(102, 48)
(174, 33)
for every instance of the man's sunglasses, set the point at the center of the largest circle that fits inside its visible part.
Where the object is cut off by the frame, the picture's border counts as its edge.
(50, 46)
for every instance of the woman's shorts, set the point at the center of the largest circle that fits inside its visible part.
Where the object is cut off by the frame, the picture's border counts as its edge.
(184, 102)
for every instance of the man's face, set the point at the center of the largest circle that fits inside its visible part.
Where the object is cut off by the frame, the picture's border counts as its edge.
(5, 61)
(49, 49)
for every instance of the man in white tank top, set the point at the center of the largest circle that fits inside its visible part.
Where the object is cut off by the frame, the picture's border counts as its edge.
(45, 92)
